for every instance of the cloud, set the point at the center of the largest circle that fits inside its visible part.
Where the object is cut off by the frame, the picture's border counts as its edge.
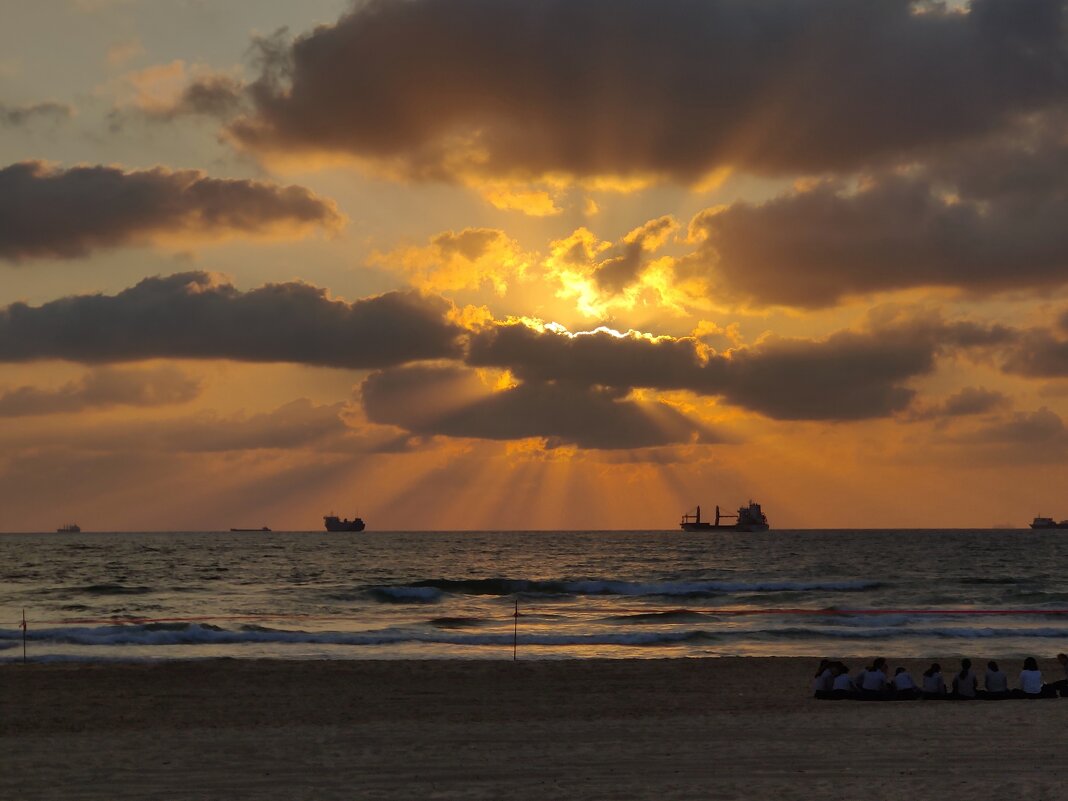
(453, 402)
(48, 212)
(988, 219)
(19, 116)
(467, 259)
(102, 388)
(200, 316)
(1042, 429)
(848, 375)
(512, 89)
(1039, 353)
(968, 402)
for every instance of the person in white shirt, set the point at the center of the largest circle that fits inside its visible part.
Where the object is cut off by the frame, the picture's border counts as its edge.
(904, 687)
(933, 684)
(1062, 684)
(843, 686)
(1031, 685)
(875, 682)
(995, 681)
(965, 682)
(823, 683)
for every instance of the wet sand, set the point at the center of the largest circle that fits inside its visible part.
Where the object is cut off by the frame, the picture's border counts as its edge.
(589, 729)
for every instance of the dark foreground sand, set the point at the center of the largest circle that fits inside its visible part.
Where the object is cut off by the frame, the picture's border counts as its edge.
(641, 729)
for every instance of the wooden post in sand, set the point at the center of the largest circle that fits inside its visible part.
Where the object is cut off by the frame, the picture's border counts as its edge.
(515, 632)
(23, 635)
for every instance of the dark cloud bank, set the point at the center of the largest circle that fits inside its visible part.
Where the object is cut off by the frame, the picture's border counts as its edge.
(572, 388)
(674, 87)
(987, 220)
(101, 388)
(48, 212)
(194, 315)
(420, 399)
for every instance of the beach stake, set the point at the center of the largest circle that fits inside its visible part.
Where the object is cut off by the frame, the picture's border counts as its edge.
(515, 633)
(23, 635)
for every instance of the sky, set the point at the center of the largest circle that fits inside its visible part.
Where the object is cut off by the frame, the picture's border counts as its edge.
(494, 264)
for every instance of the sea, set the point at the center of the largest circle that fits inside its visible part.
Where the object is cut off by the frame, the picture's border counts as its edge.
(532, 594)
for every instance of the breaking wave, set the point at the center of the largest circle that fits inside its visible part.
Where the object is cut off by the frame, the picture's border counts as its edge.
(431, 590)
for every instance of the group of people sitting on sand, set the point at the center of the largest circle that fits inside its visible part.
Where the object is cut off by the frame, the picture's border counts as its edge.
(874, 683)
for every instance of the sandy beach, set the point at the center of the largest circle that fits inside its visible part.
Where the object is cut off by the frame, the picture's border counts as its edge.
(619, 729)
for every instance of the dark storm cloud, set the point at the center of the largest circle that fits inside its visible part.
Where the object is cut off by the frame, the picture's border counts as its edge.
(985, 220)
(674, 87)
(1041, 429)
(848, 375)
(48, 212)
(195, 315)
(968, 402)
(102, 388)
(18, 116)
(1039, 353)
(424, 401)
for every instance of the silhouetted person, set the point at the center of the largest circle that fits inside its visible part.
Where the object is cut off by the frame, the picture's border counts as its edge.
(904, 687)
(934, 686)
(1061, 685)
(843, 686)
(823, 683)
(965, 682)
(1031, 685)
(875, 683)
(995, 682)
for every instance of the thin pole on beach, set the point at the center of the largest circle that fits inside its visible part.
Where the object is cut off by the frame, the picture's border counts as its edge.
(515, 632)
(23, 635)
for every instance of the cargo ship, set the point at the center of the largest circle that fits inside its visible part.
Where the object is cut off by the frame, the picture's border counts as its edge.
(1048, 522)
(70, 528)
(261, 528)
(749, 518)
(335, 523)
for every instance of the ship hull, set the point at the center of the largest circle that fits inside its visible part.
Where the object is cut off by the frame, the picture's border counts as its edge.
(746, 527)
(355, 525)
(1043, 526)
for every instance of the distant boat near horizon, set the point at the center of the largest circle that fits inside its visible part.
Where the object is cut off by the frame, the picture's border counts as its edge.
(335, 523)
(749, 518)
(69, 528)
(261, 528)
(1048, 522)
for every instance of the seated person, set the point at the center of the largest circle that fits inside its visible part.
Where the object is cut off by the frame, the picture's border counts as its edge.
(933, 684)
(995, 681)
(904, 687)
(1062, 684)
(1031, 685)
(875, 682)
(965, 682)
(823, 683)
(843, 686)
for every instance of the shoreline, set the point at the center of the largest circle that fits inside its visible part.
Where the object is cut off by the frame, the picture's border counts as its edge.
(730, 727)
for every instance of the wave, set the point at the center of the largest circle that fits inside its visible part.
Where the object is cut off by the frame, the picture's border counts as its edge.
(191, 634)
(200, 634)
(113, 589)
(405, 595)
(670, 616)
(431, 589)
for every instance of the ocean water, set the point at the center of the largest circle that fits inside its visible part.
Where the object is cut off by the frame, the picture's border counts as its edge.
(382, 595)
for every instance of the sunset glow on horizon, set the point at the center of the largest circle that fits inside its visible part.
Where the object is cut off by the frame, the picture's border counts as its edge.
(492, 264)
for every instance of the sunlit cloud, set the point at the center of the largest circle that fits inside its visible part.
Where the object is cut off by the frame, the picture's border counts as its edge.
(460, 260)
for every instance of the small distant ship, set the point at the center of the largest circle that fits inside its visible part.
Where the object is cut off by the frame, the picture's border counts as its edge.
(262, 528)
(1048, 522)
(69, 528)
(749, 518)
(335, 523)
